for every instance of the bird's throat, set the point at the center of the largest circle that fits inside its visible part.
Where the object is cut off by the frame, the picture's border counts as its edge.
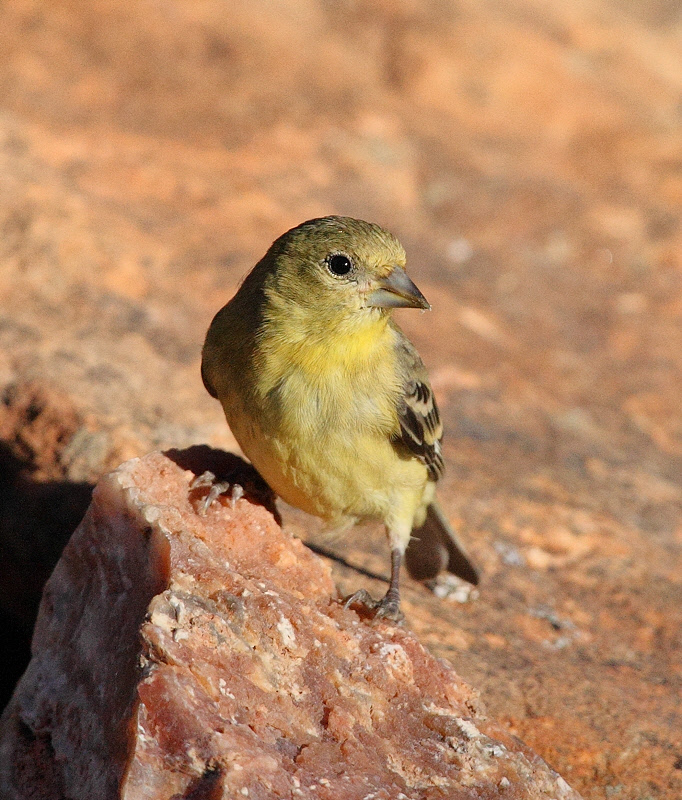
(348, 344)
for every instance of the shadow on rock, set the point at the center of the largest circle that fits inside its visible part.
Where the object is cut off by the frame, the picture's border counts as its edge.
(226, 468)
(36, 520)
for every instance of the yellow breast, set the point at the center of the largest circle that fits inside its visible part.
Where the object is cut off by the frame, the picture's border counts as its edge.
(319, 429)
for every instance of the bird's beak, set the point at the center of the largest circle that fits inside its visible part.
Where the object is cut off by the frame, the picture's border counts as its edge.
(396, 290)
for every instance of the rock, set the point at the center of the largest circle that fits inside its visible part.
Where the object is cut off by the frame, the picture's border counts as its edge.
(181, 656)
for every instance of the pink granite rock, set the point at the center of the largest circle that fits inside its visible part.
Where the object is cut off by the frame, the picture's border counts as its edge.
(181, 656)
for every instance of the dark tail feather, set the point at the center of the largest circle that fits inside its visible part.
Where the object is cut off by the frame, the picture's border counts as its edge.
(435, 547)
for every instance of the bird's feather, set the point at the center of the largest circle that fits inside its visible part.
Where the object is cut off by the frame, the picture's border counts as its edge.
(435, 546)
(421, 430)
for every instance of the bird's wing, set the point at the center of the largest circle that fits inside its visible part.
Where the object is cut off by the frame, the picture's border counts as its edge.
(421, 430)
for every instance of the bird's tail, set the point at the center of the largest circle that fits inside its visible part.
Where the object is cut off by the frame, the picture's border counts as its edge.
(435, 547)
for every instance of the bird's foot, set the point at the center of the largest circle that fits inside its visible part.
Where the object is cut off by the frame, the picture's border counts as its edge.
(215, 489)
(386, 608)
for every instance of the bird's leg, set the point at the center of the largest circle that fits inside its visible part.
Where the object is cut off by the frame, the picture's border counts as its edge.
(215, 490)
(389, 605)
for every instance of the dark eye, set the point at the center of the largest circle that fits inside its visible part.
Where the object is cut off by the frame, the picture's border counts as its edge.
(339, 264)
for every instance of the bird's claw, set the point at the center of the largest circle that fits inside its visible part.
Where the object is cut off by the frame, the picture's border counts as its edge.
(386, 608)
(215, 489)
(236, 494)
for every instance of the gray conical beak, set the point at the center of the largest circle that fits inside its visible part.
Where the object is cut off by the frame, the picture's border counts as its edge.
(396, 290)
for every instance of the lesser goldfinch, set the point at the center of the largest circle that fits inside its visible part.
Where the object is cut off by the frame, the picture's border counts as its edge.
(327, 396)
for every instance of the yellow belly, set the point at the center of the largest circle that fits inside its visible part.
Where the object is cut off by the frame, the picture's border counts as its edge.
(330, 454)
(316, 415)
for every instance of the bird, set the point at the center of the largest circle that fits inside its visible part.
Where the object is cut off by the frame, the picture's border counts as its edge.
(329, 399)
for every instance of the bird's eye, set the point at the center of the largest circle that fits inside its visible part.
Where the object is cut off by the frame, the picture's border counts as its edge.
(339, 264)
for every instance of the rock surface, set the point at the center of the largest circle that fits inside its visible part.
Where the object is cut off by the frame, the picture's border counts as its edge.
(179, 656)
(527, 153)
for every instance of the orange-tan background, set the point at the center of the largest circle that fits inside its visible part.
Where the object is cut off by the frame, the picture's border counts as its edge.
(529, 156)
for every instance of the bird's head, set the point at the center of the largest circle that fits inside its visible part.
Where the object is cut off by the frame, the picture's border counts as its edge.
(341, 264)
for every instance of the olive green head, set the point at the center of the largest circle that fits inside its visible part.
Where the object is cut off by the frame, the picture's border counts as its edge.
(342, 262)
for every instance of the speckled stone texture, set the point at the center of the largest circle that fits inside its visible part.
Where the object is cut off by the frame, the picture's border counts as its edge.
(180, 656)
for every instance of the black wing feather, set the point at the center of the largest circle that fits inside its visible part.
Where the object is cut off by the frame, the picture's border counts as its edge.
(421, 430)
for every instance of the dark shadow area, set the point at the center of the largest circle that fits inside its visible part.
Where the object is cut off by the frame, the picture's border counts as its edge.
(209, 786)
(227, 468)
(36, 520)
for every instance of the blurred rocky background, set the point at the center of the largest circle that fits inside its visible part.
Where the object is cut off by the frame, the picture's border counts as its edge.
(529, 156)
